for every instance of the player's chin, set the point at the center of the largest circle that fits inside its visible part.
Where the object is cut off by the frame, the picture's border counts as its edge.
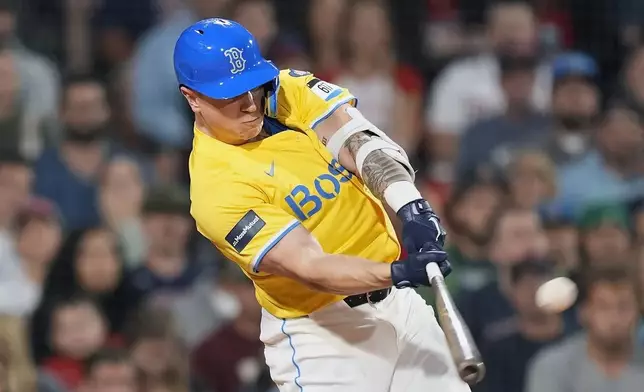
(253, 128)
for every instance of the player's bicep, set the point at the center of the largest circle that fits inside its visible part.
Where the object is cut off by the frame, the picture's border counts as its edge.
(328, 127)
(292, 255)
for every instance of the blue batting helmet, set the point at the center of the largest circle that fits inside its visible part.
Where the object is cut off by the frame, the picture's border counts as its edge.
(220, 59)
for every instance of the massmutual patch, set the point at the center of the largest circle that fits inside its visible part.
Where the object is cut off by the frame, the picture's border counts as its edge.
(245, 230)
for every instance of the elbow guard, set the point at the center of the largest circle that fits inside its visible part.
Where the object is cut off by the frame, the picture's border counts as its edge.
(381, 142)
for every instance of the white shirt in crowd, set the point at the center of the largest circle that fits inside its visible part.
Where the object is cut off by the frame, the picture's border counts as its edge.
(19, 295)
(375, 98)
(469, 90)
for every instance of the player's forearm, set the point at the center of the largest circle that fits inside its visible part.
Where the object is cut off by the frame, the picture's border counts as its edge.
(386, 178)
(345, 275)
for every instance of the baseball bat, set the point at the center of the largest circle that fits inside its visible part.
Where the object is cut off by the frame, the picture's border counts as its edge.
(466, 355)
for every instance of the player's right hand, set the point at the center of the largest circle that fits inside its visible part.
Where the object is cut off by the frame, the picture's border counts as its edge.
(411, 271)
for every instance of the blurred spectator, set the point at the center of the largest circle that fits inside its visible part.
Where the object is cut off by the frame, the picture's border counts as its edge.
(38, 237)
(168, 165)
(637, 211)
(159, 111)
(15, 186)
(78, 331)
(325, 26)
(555, 30)
(168, 269)
(491, 142)
(444, 37)
(209, 303)
(631, 20)
(605, 235)
(119, 88)
(16, 177)
(78, 37)
(88, 264)
(469, 89)
(291, 53)
(121, 200)
(639, 270)
(554, 20)
(507, 358)
(630, 85)
(230, 359)
(563, 237)
(61, 29)
(121, 23)
(46, 36)
(532, 179)
(516, 236)
(110, 370)
(468, 214)
(390, 93)
(575, 107)
(29, 93)
(409, 19)
(17, 371)
(597, 32)
(160, 359)
(91, 262)
(612, 172)
(606, 357)
(258, 16)
(68, 175)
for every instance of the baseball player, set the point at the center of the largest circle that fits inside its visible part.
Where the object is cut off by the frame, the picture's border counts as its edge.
(288, 180)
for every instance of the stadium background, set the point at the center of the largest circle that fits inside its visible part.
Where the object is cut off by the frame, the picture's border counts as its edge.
(523, 118)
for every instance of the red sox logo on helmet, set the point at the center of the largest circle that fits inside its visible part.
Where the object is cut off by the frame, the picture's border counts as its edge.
(237, 60)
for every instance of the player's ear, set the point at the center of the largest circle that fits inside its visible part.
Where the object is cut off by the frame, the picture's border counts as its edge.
(192, 98)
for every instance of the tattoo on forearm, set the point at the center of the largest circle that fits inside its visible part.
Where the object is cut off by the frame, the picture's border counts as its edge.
(379, 170)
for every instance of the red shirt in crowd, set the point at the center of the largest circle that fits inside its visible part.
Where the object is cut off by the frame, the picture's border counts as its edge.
(70, 371)
(225, 358)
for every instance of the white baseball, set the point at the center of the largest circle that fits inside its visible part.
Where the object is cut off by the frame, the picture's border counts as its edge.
(556, 295)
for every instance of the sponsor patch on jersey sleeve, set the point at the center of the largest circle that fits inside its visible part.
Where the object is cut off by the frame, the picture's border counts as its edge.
(325, 90)
(296, 73)
(245, 230)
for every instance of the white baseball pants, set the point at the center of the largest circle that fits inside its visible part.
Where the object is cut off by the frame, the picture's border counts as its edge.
(395, 345)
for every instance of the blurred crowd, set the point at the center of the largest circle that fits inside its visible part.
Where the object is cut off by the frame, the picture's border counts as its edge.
(524, 118)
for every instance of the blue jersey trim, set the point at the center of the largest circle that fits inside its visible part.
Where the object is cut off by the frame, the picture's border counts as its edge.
(334, 94)
(272, 242)
(272, 98)
(333, 109)
(297, 367)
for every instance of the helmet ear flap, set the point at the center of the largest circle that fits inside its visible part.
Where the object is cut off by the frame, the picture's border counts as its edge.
(273, 85)
(270, 97)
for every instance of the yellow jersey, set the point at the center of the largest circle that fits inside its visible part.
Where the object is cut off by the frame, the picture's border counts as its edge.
(246, 198)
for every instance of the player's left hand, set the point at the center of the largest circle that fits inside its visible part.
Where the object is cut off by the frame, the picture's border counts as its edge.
(420, 225)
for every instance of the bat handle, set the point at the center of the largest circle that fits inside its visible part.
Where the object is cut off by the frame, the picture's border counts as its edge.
(468, 361)
(433, 271)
